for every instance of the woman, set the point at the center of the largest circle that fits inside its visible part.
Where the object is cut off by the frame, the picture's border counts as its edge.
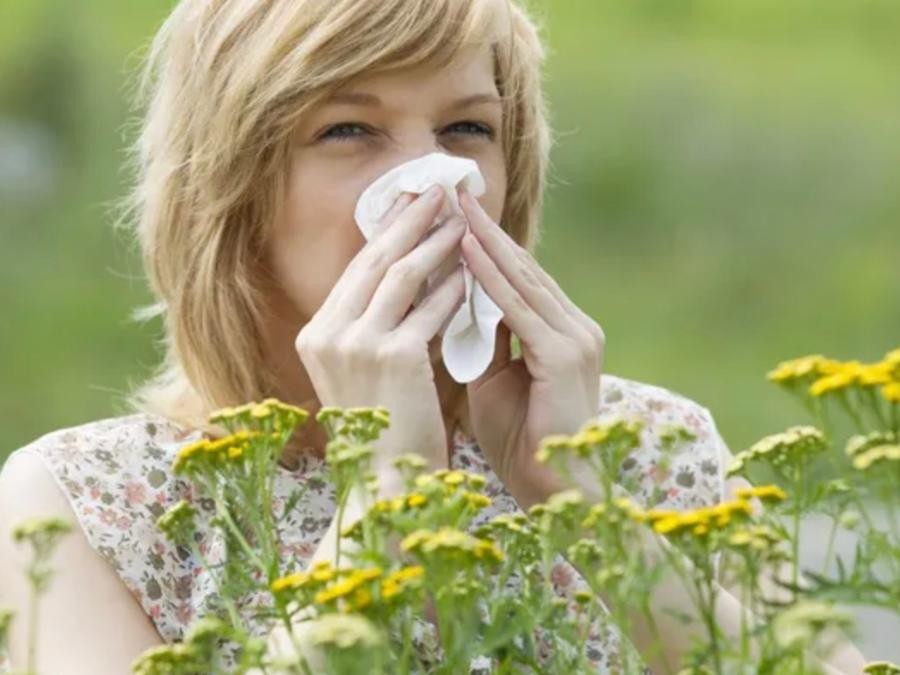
(266, 120)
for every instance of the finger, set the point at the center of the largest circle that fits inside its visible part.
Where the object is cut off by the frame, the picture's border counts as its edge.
(432, 314)
(500, 248)
(517, 313)
(403, 279)
(400, 204)
(352, 292)
(493, 237)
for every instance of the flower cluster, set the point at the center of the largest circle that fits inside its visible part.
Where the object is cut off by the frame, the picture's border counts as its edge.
(451, 545)
(796, 445)
(209, 453)
(700, 521)
(444, 495)
(177, 523)
(272, 413)
(866, 450)
(823, 375)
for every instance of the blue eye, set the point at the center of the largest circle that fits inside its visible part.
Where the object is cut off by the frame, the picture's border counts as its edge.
(346, 131)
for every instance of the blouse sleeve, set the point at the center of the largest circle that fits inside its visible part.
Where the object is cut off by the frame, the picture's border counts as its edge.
(681, 459)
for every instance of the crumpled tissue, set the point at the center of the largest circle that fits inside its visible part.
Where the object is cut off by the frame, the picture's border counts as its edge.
(467, 345)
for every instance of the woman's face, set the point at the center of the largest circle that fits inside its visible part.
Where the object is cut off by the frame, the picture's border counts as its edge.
(370, 126)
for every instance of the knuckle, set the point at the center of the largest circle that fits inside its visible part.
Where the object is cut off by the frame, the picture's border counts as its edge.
(402, 273)
(376, 257)
(519, 305)
(310, 343)
(526, 273)
(525, 255)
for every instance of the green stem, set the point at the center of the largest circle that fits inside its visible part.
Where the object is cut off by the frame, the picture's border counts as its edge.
(238, 535)
(657, 636)
(844, 399)
(233, 614)
(707, 608)
(340, 519)
(876, 407)
(795, 543)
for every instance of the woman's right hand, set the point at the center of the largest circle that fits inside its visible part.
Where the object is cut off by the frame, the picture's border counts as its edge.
(365, 347)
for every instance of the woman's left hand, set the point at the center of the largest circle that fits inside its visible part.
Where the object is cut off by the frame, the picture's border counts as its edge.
(553, 388)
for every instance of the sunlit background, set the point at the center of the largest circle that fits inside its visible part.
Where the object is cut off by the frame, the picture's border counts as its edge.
(725, 196)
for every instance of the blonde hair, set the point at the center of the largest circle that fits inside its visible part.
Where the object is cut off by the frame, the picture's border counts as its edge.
(224, 84)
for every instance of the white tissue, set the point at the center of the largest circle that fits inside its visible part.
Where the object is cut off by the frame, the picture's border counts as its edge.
(467, 344)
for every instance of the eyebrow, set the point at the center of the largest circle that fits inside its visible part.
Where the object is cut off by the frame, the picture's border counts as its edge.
(365, 99)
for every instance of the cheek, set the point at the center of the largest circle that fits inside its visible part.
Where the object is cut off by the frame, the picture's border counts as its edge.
(494, 199)
(315, 239)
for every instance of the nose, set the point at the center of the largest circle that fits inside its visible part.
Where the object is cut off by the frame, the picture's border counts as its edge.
(420, 145)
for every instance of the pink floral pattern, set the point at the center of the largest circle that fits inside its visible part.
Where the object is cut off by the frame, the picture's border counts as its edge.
(116, 475)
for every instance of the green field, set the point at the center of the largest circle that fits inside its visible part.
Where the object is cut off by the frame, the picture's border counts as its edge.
(724, 196)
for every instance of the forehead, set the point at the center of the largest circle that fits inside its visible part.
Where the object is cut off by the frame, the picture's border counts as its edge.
(470, 71)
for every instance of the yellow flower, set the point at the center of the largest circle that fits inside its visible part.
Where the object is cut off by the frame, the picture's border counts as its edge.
(344, 631)
(795, 369)
(454, 478)
(699, 520)
(758, 537)
(868, 457)
(397, 581)
(290, 582)
(836, 381)
(361, 599)
(424, 479)
(762, 492)
(416, 499)
(188, 452)
(322, 571)
(450, 540)
(476, 500)
(346, 586)
(796, 443)
(656, 514)
(177, 522)
(891, 392)
(860, 442)
(260, 411)
(876, 373)
(667, 525)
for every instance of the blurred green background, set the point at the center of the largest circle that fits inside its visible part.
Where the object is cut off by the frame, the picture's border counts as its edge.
(724, 196)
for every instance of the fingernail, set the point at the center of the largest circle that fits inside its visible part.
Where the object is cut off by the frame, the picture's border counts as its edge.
(434, 192)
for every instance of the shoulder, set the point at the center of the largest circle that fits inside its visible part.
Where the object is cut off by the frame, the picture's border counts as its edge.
(109, 459)
(115, 476)
(124, 438)
(28, 494)
(682, 457)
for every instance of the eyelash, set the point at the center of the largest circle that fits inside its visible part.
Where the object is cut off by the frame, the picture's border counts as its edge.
(481, 130)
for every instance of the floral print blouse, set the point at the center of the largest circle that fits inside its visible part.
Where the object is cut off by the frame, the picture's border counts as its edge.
(116, 475)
